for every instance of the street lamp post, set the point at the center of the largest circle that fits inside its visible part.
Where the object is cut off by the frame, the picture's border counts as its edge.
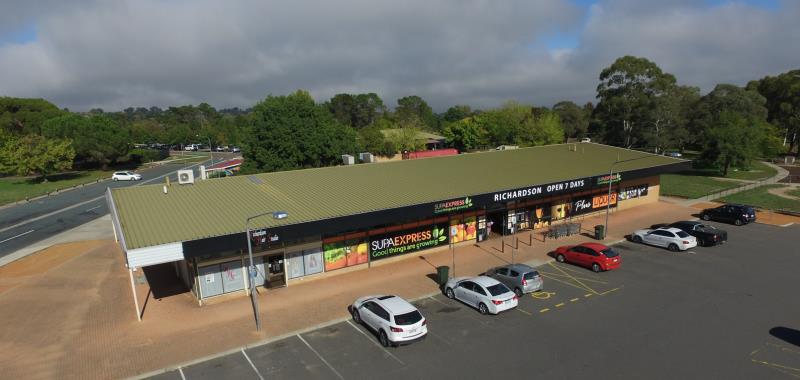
(252, 270)
(210, 148)
(611, 181)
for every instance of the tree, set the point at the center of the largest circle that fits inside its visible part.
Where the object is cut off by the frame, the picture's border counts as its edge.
(782, 94)
(466, 134)
(22, 116)
(626, 92)
(726, 98)
(98, 140)
(734, 140)
(542, 129)
(456, 113)
(357, 111)
(291, 132)
(413, 106)
(574, 119)
(371, 139)
(669, 118)
(34, 154)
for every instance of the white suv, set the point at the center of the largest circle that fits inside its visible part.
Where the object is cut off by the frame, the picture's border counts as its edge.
(126, 176)
(394, 319)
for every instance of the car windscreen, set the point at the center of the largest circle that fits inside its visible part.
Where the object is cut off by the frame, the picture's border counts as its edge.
(531, 275)
(408, 318)
(497, 289)
(682, 234)
(609, 252)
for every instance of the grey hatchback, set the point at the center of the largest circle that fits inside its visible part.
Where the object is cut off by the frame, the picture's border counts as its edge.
(520, 278)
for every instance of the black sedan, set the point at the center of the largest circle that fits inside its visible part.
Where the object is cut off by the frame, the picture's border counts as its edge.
(707, 235)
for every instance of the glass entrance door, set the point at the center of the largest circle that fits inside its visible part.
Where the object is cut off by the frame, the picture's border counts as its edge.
(276, 275)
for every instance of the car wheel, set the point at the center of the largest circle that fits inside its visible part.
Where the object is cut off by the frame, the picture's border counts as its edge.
(637, 239)
(706, 217)
(384, 339)
(483, 309)
(701, 243)
(673, 247)
(518, 292)
(356, 316)
(449, 293)
(738, 222)
(115, 179)
(560, 258)
(596, 268)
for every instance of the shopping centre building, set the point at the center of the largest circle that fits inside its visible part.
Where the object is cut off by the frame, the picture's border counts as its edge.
(353, 217)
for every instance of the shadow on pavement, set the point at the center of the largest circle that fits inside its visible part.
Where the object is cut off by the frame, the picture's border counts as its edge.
(163, 281)
(786, 334)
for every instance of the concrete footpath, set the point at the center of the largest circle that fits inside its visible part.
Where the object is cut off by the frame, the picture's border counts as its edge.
(67, 311)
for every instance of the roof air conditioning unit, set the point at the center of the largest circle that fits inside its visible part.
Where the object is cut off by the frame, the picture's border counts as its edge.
(185, 176)
(365, 157)
(348, 159)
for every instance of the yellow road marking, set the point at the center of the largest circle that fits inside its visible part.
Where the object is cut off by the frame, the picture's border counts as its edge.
(544, 310)
(542, 295)
(778, 366)
(560, 304)
(573, 278)
(565, 282)
(582, 278)
(782, 348)
(573, 300)
(606, 292)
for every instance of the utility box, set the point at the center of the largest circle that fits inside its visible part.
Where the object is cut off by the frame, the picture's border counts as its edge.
(348, 159)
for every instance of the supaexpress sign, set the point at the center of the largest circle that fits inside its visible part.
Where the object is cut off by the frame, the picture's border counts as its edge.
(452, 205)
(552, 188)
(604, 180)
(411, 240)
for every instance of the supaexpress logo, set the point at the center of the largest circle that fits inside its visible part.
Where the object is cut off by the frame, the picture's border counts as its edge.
(604, 180)
(454, 205)
(408, 242)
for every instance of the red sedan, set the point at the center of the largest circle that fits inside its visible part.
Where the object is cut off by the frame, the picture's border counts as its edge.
(591, 255)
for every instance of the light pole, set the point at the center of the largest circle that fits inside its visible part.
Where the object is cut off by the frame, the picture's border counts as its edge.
(252, 270)
(210, 148)
(611, 181)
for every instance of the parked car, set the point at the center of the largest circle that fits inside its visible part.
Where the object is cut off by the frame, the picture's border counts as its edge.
(126, 176)
(596, 256)
(392, 318)
(191, 147)
(221, 149)
(520, 278)
(235, 149)
(671, 238)
(730, 213)
(674, 154)
(486, 294)
(706, 234)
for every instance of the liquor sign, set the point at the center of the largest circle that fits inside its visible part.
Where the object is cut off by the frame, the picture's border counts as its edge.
(592, 203)
(407, 241)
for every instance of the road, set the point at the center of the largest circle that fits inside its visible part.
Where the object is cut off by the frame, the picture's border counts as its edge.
(721, 312)
(28, 223)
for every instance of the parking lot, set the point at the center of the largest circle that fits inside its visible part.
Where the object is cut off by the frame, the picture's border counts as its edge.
(729, 311)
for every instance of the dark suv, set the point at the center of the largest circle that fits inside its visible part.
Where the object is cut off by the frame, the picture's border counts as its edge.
(736, 214)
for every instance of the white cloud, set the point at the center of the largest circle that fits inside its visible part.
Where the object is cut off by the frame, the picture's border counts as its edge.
(149, 52)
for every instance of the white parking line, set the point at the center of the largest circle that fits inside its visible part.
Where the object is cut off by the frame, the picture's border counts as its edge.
(339, 375)
(252, 365)
(93, 208)
(180, 370)
(375, 343)
(14, 237)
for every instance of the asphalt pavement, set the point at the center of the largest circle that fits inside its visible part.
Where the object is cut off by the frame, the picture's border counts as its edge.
(725, 312)
(25, 224)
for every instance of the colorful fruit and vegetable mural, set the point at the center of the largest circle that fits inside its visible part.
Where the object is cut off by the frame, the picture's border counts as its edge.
(344, 254)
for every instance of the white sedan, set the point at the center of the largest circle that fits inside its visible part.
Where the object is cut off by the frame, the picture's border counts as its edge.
(673, 239)
(486, 294)
(126, 176)
(394, 319)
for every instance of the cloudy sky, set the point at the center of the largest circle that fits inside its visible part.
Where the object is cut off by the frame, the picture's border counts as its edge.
(83, 54)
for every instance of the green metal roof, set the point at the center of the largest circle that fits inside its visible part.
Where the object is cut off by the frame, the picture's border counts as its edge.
(422, 135)
(220, 206)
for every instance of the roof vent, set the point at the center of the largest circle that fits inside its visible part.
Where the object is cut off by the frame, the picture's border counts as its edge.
(255, 180)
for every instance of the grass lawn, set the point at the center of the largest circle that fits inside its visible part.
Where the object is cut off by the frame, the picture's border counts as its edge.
(795, 192)
(17, 189)
(692, 186)
(760, 197)
(757, 171)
